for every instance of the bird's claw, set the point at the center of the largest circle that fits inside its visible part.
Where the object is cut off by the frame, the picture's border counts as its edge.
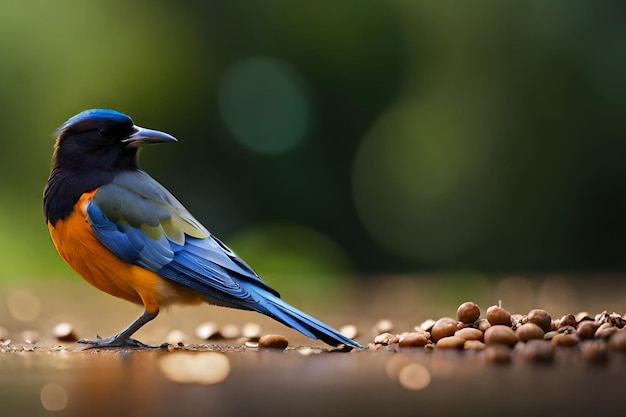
(113, 342)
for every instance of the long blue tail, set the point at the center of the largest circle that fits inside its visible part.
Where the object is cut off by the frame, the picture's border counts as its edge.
(279, 310)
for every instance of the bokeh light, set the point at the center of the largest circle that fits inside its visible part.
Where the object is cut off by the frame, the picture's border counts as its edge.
(419, 181)
(195, 368)
(53, 397)
(23, 305)
(414, 376)
(263, 103)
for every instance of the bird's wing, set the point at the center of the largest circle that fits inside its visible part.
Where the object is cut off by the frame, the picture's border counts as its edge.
(138, 220)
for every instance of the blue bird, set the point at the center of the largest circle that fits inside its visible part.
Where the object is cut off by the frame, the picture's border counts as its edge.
(125, 234)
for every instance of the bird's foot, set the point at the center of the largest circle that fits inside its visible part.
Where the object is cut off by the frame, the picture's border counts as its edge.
(115, 341)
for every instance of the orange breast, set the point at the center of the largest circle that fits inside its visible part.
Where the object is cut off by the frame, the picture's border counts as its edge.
(79, 247)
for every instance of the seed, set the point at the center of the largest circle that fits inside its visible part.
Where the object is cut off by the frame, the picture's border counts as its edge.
(64, 332)
(498, 354)
(582, 316)
(383, 326)
(273, 341)
(413, 339)
(537, 351)
(468, 312)
(549, 335)
(594, 351)
(443, 327)
(586, 329)
(4, 333)
(567, 320)
(482, 325)
(541, 318)
(469, 333)
(451, 342)
(386, 339)
(529, 331)
(426, 325)
(500, 334)
(517, 320)
(498, 316)
(605, 331)
(473, 345)
(175, 337)
(564, 340)
(617, 342)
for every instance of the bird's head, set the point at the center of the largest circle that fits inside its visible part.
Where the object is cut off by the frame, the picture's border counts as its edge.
(102, 139)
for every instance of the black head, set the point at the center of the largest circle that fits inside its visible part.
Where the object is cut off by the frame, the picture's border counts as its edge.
(103, 140)
(90, 149)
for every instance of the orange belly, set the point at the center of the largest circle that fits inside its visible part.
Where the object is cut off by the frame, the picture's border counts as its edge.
(79, 247)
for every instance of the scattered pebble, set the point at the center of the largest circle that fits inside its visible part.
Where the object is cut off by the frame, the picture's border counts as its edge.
(273, 341)
(30, 336)
(175, 337)
(4, 333)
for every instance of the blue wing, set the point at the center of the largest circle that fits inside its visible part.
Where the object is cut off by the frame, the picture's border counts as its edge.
(138, 220)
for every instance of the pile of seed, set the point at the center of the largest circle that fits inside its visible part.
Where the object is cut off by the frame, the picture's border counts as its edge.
(533, 337)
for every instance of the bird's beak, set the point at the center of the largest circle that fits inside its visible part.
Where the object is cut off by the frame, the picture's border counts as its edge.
(144, 137)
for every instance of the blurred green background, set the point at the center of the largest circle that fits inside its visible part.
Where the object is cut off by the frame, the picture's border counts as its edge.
(339, 137)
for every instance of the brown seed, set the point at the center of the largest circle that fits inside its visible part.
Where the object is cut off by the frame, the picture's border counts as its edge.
(586, 329)
(468, 312)
(537, 351)
(541, 318)
(564, 340)
(582, 316)
(517, 320)
(567, 320)
(413, 339)
(605, 331)
(450, 342)
(498, 354)
(617, 342)
(473, 345)
(594, 351)
(469, 333)
(386, 339)
(426, 325)
(498, 316)
(443, 327)
(500, 335)
(482, 325)
(529, 331)
(273, 341)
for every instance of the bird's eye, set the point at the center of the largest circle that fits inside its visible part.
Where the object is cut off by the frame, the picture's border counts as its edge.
(103, 133)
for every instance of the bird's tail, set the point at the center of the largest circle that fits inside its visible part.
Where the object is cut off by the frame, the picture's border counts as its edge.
(309, 326)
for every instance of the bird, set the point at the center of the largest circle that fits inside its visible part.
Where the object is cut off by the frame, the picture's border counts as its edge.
(128, 236)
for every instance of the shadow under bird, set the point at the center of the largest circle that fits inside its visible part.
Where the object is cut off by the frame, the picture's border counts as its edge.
(128, 236)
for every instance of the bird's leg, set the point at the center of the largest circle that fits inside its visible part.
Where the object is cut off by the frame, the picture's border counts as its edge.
(123, 338)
